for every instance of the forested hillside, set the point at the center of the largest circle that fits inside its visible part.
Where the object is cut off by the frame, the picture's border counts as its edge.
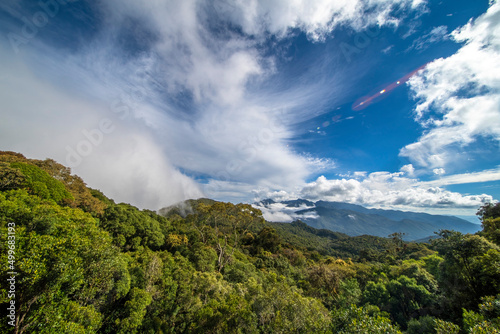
(74, 261)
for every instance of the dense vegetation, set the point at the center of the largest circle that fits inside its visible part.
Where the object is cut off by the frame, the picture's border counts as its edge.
(86, 264)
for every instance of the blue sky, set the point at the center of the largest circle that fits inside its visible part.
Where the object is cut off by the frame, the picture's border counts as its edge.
(392, 104)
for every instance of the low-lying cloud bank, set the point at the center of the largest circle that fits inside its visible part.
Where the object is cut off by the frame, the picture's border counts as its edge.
(279, 212)
(386, 190)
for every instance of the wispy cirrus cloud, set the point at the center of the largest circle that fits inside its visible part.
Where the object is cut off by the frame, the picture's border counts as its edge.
(466, 178)
(181, 82)
(437, 34)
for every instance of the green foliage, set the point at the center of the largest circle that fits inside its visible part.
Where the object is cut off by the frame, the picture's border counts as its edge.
(40, 183)
(416, 269)
(432, 263)
(487, 320)
(134, 311)
(204, 258)
(88, 265)
(11, 178)
(239, 271)
(422, 325)
(355, 319)
(490, 220)
(324, 281)
(491, 229)
(64, 263)
(282, 309)
(406, 298)
(267, 239)
(132, 228)
(489, 211)
(445, 327)
(325, 242)
(81, 196)
(349, 293)
(469, 270)
(375, 293)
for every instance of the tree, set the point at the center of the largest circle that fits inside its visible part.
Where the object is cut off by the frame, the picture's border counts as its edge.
(375, 293)
(406, 298)
(132, 228)
(11, 178)
(230, 224)
(134, 311)
(487, 320)
(468, 272)
(489, 210)
(490, 221)
(82, 195)
(324, 282)
(268, 239)
(349, 293)
(66, 265)
(355, 319)
(422, 325)
(40, 183)
(491, 229)
(282, 309)
(445, 327)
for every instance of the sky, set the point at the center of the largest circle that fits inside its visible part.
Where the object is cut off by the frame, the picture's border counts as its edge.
(387, 104)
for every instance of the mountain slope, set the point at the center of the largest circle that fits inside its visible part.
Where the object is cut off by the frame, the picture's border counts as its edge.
(184, 208)
(355, 220)
(447, 222)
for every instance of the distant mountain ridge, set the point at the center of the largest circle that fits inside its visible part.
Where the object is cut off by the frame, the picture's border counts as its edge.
(355, 220)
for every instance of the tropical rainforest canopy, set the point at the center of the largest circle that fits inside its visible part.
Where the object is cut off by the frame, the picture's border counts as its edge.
(78, 262)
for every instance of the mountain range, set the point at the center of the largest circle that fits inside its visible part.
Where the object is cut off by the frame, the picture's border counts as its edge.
(355, 220)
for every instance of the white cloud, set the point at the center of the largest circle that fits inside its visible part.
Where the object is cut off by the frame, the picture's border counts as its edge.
(277, 195)
(316, 17)
(279, 212)
(483, 176)
(390, 190)
(408, 169)
(459, 96)
(189, 90)
(439, 171)
(388, 49)
(180, 103)
(124, 162)
(437, 34)
(383, 190)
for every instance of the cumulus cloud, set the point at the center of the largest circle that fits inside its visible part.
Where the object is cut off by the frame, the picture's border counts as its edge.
(459, 96)
(388, 190)
(439, 171)
(278, 195)
(408, 169)
(317, 18)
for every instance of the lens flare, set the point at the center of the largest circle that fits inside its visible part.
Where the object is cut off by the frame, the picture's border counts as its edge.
(365, 101)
